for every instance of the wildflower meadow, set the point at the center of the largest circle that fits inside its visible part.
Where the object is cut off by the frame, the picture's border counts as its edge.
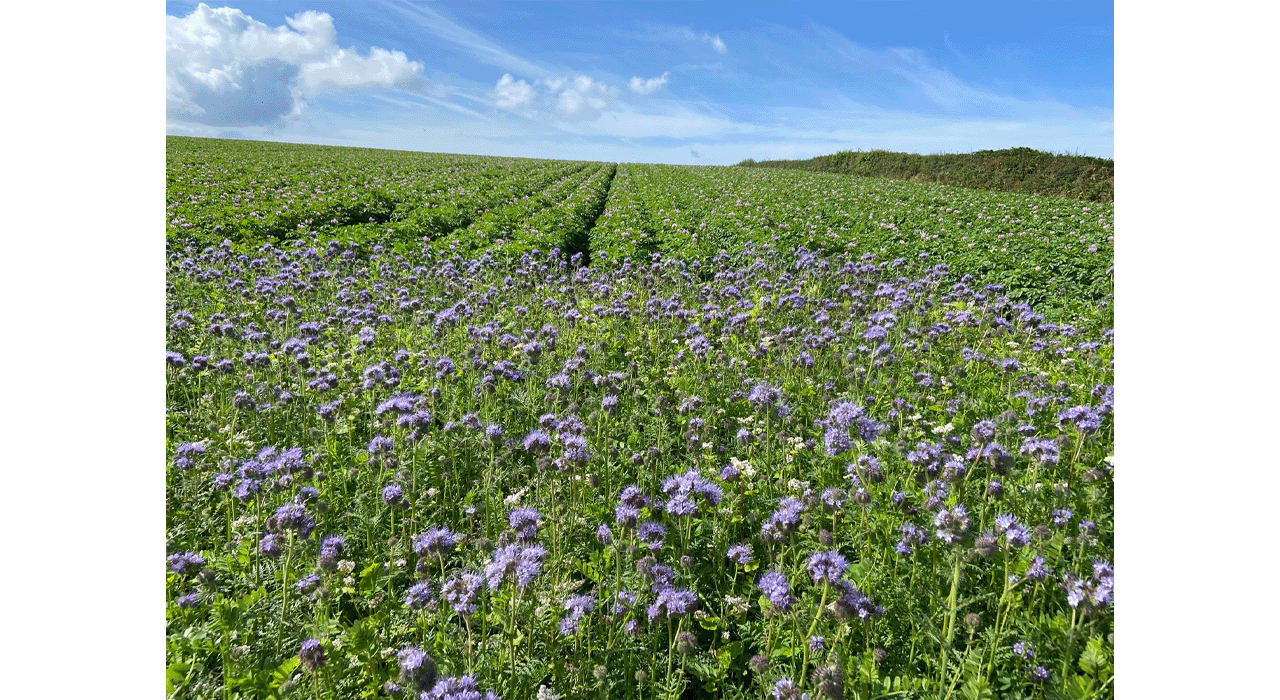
(457, 427)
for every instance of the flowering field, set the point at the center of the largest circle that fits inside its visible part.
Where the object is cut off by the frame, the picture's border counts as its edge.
(460, 427)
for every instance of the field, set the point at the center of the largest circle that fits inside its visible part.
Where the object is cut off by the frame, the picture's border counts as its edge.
(1024, 170)
(447, 426)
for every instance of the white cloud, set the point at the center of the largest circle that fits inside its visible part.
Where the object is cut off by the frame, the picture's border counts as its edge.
(688, 34)
(578, 96)
(224, 68)
(669, 33)
(643, 86)
(510, 93)
(479, 47)
(582, 96)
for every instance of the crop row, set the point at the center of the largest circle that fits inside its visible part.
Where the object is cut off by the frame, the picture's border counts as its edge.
(1052, 253)
(254, 191)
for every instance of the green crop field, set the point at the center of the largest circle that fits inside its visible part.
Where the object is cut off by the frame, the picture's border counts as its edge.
(444, 425)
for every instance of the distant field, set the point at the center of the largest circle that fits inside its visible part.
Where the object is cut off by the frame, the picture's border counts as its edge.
(1021, 170)
(444, 426)
(1050, 252)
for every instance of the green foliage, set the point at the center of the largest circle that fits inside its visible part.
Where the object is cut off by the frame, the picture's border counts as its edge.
(780, 272)
(1023, 170)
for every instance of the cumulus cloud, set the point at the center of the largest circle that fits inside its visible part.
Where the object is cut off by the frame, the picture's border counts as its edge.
(643, 86)
(580, 95)
(510, 93)
(224, 68)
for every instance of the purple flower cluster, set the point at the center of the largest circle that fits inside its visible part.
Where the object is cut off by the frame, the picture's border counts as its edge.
(516, 562)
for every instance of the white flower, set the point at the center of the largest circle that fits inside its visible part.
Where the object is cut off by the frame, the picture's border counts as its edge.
(346, 566)
(514, 499)
(545, 693)
(943, 429)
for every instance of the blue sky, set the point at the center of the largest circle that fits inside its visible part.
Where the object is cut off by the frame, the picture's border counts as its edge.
(668, 82)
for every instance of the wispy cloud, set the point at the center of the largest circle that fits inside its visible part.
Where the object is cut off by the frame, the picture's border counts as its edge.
(479, 47)
(946, 41)
(788, 91)
(648, 86)
(686, 34)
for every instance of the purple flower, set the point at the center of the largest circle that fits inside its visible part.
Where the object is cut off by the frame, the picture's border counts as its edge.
(783, 520)
(419, 595)
(868, 468)
(785, 689)
(952, 525)
(672, 602)
(777, 589)
(763, 396)
(1043, 451)
(652, 534)
(417, 670)
(312, 654)
(827, 567)
(854, 603)
(451, 688)
(577, 606)
(380, 445)
(1038, 571)
(1085, 418)
(291, 516)
(393, 494)
(625, 515)
(634, 497)
(514, 560)
(739, 554)
(270, 545)
(187, 562)
(460, 591)
(537, 441)
(836, 441)
(834, 497)
(603, 534)
(844, 414)
(984, 431)
(525, 522)
(330, 550)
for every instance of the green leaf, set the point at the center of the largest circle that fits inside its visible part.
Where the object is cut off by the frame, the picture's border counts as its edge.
(976, 689)
(1094, 658)
(173, 675)
(727, 653)
(283, 671)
